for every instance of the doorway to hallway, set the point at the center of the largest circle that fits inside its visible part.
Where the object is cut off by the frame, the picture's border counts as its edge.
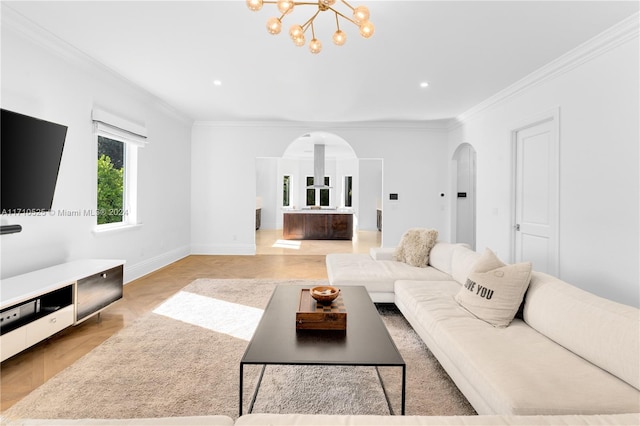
(464, 204)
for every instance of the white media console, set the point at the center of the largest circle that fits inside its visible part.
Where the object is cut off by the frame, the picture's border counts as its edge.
(38, 304)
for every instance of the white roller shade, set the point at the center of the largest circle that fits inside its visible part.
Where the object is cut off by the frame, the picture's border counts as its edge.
(111, 125)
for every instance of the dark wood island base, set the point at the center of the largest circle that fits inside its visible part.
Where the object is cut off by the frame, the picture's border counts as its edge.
(317, 226)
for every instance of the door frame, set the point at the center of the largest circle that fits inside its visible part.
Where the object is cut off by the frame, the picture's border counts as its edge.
(552, 115)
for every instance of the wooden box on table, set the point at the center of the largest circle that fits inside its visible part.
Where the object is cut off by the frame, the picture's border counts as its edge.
(315, 316)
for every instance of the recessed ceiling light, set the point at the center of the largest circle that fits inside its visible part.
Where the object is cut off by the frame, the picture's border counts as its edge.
(424, 84)
(217, 83)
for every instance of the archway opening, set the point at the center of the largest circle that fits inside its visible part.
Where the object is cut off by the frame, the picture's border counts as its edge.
(319, 178)
(464, 201)
(352, 184)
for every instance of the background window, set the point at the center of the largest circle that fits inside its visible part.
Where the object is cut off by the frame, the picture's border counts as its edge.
(286, 194)
(348, 188)
(324, 196)
(324, 193)
(311, 192)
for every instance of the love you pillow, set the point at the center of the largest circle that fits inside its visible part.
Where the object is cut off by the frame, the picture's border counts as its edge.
(494, 291)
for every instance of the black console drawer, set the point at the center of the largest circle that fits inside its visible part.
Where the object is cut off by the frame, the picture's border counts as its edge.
(98, 291)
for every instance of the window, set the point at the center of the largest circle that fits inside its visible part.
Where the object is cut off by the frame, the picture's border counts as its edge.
(117, 141)
(311, 192)
(324, 193)
(348, 188)
(324, 196)
(115, 182)
(111, 188)
(286, 191)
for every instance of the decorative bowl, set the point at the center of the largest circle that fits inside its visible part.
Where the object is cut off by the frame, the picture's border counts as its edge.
(325, 294)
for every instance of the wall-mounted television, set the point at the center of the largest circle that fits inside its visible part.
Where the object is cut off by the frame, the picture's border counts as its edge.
(30, 155)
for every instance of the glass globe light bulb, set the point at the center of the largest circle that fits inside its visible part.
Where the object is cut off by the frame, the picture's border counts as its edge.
(366, 29)
(296, 31)
(315, 46)
(360, 14)
(285, 6)
(274, 25)
(299, 41)
(339, 37)
(254, 5)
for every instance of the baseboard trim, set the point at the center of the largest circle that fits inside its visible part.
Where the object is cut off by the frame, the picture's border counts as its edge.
(214, 249)
(145, 267)
(148, 266)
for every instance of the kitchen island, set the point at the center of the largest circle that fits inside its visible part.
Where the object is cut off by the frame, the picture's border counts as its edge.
(320, 224)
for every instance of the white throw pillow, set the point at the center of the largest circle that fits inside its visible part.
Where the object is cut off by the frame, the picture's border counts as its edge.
(415, 246)
(494, 291)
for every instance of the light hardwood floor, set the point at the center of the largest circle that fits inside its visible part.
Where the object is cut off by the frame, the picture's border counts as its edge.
(274, 259)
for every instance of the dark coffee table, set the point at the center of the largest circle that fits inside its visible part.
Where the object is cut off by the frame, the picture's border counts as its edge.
(366, 342)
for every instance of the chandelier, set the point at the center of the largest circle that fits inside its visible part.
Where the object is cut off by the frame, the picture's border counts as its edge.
(360, 18)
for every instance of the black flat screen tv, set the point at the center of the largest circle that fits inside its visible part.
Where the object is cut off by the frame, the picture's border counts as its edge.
(30, 155)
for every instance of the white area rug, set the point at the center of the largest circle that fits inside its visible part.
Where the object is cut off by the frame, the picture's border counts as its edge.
(183, 360)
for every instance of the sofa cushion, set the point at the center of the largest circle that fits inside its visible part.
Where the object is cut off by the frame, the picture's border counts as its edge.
(462, 262)
(576, 319)
(381, 253)
(493, 291)
(415, 246)
(512, 370)
(442, 253)
(377, 276)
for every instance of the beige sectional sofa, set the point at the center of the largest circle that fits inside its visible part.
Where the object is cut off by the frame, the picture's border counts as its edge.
(377, 271)
(570, 352)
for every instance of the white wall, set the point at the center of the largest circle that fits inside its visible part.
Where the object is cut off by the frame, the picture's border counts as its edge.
(369, 185)
(223, 176)
(47, 80)
(597, 96)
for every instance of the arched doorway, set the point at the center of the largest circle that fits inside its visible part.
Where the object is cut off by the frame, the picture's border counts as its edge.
(326, 161)
(464, 202)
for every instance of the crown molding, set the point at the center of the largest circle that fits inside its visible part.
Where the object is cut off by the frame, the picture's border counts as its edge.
(19, 24)
(624, 31)
(433, 125)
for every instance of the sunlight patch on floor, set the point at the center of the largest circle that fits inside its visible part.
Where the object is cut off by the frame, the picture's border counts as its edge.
(294, 245)
(235, 320)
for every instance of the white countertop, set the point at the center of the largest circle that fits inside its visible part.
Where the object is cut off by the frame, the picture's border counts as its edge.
(318, 211)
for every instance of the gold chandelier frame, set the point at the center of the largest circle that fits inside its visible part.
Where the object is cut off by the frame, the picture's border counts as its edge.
(297, 32)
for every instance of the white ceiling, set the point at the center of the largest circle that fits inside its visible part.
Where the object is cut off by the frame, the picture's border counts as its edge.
(467, 51)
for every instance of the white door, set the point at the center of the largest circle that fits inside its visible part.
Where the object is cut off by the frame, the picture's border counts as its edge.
(536, 195)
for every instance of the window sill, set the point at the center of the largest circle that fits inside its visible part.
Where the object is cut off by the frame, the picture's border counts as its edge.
(100, 231)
